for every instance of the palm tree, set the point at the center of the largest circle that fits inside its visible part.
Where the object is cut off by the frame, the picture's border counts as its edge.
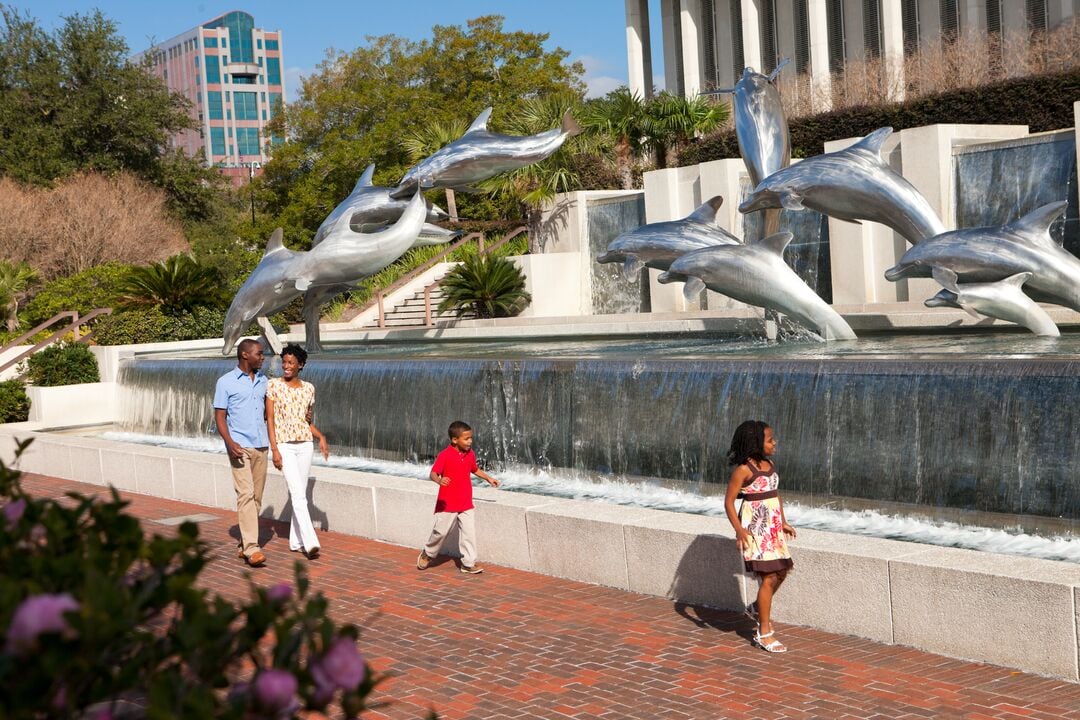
(15, 282)
(620, 115)
(488, 287)
(674, 120)
(430, 139)
(178, 284)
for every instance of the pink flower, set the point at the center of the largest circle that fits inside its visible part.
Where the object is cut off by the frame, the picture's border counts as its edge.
(280, 593)
(342, 666)
(35, 616)
(275, 691)
(13, 512)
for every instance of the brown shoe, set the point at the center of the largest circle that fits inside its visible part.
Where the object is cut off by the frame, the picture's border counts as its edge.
(313, 553)
(256, 559)
(472, 569)
(422, 561)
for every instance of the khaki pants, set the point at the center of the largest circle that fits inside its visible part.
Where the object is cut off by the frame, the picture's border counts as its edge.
(249, 479)
(444, 523)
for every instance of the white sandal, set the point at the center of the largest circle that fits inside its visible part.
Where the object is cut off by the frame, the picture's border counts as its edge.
(773, 646)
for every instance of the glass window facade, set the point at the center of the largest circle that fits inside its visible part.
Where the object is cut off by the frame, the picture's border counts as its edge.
(209, 42)
(246, 105)
(213, 104)
(247, 141)
(273, 71)
(217, 140)
(239, 25)
(213, 70)
(271, 44)
(275, 103)
(258, 44)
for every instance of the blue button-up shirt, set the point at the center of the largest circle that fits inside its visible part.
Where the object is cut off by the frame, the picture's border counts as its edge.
(244, 403)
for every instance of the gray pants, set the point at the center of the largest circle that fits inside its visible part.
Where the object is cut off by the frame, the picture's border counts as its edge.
(444, 523)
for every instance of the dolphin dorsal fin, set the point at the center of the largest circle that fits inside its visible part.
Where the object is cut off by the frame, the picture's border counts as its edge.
(872, 143)
(706, 212)
(776, 242)
(365, 178)
(1036, 224)
(946, 278)
(1018, 280)
(276, 242)
(480, 123)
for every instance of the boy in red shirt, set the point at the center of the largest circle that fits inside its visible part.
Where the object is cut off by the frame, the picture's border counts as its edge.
(453, 470)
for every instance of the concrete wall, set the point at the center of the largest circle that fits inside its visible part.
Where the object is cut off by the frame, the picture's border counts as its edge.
(547, 277)
(1006, 610)
(74, 405)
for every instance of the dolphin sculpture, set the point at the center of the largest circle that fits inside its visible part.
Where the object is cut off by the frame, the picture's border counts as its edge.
(369, 208)
(342, 257)
(480, 154)
(756, 274)
(658, 244)
(990, 254)
(852, 184)
(1004, 300)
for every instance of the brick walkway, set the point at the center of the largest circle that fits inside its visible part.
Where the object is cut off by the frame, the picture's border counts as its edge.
(511, 644)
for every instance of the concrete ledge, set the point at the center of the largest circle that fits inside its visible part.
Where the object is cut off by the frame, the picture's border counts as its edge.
(1007, 610)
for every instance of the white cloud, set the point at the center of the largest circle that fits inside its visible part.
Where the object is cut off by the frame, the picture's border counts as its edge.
(601, 85)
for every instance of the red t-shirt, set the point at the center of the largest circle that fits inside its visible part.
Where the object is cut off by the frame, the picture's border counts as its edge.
(459, 467)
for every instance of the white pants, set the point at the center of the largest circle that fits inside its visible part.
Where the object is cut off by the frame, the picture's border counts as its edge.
(444, 523)
(295, 465)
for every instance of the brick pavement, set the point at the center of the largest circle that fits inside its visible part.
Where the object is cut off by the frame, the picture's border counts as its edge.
(513, 644)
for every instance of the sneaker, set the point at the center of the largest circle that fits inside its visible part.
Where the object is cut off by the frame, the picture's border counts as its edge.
(472, 570)
(422, 561)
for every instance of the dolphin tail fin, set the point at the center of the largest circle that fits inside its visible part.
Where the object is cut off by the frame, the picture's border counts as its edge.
(946, 278)
(570, 126)
(1036, 224)
(365, 177)
(276, 242)
(774, 73)
(706, 212)
(480, 123)
(692, 288)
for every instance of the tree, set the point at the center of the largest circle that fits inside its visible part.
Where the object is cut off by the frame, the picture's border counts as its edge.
(177, 284)
(356, 108)
(622, 116)
(486, 286)
(15, 283)
(672, 121)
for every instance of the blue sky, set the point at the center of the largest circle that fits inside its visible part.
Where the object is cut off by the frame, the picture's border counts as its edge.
(592, 31)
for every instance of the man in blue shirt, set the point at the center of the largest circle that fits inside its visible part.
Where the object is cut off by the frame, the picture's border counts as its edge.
(240, 414)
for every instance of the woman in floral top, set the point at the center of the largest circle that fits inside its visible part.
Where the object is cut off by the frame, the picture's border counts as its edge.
(290, 404)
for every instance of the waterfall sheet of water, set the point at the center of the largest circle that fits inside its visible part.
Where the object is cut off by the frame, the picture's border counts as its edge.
(612, 293)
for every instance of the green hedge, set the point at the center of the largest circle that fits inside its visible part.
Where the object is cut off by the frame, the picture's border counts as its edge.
(151, 325)
(1043, 103)
(62, 364)
(14, 403)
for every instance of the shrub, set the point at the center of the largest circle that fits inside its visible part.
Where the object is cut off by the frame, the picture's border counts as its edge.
(486, 286)
(93, 288)
(14, 403)
(94, 609)
(62, 364)
(151, 325)
(177, 284)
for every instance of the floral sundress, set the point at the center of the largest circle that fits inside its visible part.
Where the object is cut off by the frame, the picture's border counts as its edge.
(760, 514)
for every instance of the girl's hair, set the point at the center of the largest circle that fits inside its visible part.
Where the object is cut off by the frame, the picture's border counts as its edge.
(297, 352)
(748, 442)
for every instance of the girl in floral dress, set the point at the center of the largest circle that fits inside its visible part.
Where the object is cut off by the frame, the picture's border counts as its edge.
(759, 523)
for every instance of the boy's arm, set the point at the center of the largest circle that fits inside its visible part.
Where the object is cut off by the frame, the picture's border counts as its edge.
(436, 472)
(484, 476)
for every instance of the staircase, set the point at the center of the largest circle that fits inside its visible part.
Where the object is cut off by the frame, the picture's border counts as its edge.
(412, 313)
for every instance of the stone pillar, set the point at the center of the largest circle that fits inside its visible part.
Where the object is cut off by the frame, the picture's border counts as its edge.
(820, 77)
(669, 21)
(751, 36)
(1076, 123)
(892, 47)
(638, 48)
(689, 20)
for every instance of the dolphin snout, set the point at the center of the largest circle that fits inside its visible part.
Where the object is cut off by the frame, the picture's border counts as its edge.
(609, 257)
(756, 201)
(897, 272)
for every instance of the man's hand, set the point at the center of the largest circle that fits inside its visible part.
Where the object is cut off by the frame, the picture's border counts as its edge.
(235, 451)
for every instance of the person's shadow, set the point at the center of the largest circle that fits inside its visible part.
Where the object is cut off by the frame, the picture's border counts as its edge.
(707, 588)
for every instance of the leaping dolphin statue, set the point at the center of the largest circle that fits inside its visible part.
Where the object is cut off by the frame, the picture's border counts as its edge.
(342, 257)
(756, 274)
(480, 154)
(369, 208)
(852, 184)
(990, 254)
(1004, 300)
(658, 244)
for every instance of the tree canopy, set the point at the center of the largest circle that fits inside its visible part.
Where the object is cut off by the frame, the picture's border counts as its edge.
(358, 107)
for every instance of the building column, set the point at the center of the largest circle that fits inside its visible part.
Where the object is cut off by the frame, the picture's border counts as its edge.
(689, 20)
(892, 47)
(639, 48)
(820, 77)
(669, 21)
(751, 36)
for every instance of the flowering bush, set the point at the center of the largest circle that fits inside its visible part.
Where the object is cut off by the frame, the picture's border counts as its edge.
(92, 613)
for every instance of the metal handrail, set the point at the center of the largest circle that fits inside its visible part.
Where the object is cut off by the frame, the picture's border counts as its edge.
(73, 328)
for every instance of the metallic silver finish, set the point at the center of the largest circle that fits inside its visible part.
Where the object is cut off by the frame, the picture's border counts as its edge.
(852, 184)
(760, 125)
(480, 154)
(1004, 300)
(990, 254)
(756, 274)
(342, 257)
(659, 244)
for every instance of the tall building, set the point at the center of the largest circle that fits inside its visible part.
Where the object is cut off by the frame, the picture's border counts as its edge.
(707, 43)
(230, 70)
